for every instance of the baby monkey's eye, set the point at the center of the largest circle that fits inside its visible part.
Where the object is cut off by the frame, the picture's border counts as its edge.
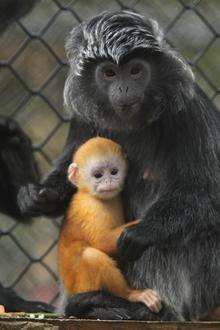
(97, 175)
(114, 171)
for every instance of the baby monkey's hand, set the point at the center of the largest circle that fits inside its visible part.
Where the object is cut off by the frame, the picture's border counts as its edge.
(149, 297)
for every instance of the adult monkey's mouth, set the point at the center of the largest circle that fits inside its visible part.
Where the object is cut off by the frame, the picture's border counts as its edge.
(129, 110)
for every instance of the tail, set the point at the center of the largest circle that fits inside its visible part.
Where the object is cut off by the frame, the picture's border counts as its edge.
(104, 306)
(13, 303)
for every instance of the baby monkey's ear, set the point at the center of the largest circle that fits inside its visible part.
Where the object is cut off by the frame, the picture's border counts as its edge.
(73, 173)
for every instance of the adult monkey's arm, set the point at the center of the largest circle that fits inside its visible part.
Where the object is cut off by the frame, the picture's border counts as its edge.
(178, 217)
(17, 165)
(52, 195)
(189, 201)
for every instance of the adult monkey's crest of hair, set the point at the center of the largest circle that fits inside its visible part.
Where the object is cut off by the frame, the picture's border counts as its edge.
(111, 35)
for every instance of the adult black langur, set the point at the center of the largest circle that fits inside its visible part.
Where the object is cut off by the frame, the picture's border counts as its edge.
(17, 164)
(127, 84)
(17, 167)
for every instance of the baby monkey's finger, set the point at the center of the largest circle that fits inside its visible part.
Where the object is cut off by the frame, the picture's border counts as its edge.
(156, 299)
(154, 305)
(154, 302)
(150, 304)
(153, 293)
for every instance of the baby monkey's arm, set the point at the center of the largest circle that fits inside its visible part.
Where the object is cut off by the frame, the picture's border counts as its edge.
(108, 241)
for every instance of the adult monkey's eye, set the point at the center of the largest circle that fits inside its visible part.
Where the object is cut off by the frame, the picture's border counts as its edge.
(109, 73)
(135, 70)
(97, 175)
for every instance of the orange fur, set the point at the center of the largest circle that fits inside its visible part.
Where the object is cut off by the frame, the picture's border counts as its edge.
(89, 235)
(97, 147)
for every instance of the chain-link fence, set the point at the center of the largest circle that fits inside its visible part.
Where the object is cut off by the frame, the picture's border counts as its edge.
(32, 73)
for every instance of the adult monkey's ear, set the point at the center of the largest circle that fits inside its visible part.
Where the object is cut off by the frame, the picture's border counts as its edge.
(74, 47)
(73, 173)
(157, 31)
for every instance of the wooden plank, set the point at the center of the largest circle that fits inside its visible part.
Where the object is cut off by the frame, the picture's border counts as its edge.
(74, 324)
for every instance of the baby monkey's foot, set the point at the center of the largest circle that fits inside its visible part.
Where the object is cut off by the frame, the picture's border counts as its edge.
(149, 297)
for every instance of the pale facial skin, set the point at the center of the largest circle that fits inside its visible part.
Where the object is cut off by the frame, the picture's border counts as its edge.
(103, 177)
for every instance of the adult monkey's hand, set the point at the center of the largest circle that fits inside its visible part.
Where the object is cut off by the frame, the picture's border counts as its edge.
(131, 244)
(35, 199)
(52, 196)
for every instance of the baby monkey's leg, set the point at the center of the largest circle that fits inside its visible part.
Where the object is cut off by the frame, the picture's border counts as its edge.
(97, 271)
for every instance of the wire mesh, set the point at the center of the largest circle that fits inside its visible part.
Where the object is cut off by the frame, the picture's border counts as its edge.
(33, 69)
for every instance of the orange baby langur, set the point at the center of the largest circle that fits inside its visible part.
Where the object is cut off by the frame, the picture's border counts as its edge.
(94, 222)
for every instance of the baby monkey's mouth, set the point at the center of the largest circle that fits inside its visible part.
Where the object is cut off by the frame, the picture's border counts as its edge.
(107, 190)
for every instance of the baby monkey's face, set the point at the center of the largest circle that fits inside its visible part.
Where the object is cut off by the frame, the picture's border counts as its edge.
(105, 177)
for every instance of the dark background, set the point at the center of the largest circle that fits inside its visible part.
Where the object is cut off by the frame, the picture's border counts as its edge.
(32, 74)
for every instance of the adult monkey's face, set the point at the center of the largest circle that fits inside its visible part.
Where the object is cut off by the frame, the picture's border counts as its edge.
(124, 85)
(122, 73)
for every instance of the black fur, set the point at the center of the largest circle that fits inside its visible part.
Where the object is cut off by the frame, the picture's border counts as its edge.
(176, 247)
(85, 305)
(12, 303)
(17, 164)
(17, 167)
